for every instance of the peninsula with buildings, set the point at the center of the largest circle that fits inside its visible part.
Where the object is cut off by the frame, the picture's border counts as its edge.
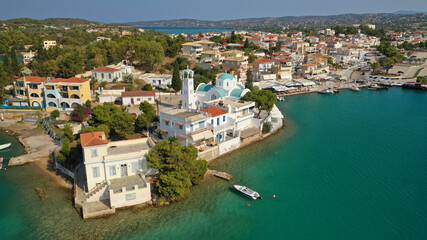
(133, 117)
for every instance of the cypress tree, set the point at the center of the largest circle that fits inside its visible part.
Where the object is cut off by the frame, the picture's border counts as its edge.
(249, 80)
(14, 62)
(6, 64)
(176, 79)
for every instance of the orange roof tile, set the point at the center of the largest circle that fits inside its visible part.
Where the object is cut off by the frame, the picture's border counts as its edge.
(93, 139)
(214, 111)
(69, 80)
(33, 79)
(263, 60)
(105, 69)
(281, 60)
(138, 93)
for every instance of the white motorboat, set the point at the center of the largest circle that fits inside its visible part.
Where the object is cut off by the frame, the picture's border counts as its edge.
(356, 89)
(3, 146)
(326, 91)
(248, 192)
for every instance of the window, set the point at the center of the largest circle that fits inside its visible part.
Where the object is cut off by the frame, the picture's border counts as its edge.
(109, 75)
(167, 123)
(180, 127)
(202, 124)
(74, 88)
(130, 196)
(223, 118)
(212, 121)
(94, 153)
(112, 170)
(95, 75)
(95, 172)
(102, 75)
(217, 121)
(140, 164)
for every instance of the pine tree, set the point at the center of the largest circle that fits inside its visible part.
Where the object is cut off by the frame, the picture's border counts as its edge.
(176, 79)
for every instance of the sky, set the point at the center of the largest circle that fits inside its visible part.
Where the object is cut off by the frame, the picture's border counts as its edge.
(116, 11)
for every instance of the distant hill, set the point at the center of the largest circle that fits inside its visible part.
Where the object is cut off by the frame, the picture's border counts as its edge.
(407, 12)
(55, 22)
(379, 19)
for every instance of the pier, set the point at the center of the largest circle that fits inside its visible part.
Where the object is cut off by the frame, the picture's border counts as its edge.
(222, 175)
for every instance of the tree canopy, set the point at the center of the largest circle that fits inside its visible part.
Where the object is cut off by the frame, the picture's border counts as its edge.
(179, 167)
(114, 118)
(264, 99)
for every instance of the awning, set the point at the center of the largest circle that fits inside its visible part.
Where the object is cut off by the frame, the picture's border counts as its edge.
(164, 131)
(182, 137)
(203, 135)
(179, 124)
(198, 137)
(208, 134)
(166, 120)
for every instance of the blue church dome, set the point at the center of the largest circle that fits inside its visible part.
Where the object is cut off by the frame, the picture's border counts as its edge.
(226, 76)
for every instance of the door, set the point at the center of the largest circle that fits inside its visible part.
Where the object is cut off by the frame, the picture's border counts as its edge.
(124, 170)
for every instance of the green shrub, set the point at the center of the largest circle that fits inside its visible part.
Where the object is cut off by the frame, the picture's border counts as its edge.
(266, 127)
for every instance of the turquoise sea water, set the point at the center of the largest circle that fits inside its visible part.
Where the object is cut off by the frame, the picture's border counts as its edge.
(186, 30)
(347, 166)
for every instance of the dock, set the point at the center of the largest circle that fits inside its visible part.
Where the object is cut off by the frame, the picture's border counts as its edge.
(222, 175)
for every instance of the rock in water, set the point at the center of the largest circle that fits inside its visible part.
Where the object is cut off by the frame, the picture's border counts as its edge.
(41, 193)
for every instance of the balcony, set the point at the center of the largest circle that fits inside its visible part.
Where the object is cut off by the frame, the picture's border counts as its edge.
(221, 128)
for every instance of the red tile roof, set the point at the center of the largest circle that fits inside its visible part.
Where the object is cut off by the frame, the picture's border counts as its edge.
(263, 60)
(105, 69)
(281, 53)
(281, 60)
(138, 93)
(69, 80)
(93, 139)
(214, 111)
(33, 79)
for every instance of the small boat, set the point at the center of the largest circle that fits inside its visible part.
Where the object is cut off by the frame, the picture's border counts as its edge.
(280, 98)
(326, 91)
(248, 192)
(335, 90)
(414, 85)
(3, 146)
(356, 89)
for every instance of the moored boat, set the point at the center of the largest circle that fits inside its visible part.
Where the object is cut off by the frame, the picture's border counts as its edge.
(326, 91)
(356, 89)
(248, 192)
(3, 146)
(414, 85)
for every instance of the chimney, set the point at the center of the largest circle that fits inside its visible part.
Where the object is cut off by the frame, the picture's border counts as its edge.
(103, 136)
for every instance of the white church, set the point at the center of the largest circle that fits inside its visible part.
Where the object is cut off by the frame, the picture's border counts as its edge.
(226, 87)
(209, 113)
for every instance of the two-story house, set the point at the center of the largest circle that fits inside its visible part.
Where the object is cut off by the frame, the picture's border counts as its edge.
(29, 89)
(111, 73)
(187, 125)
(66, 93)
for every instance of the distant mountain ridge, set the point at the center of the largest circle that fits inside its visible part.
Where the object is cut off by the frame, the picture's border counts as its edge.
(57, 22)
(407, 12)
(379, 19)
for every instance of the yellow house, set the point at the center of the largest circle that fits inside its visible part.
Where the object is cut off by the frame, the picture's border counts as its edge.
(66, 93)
(30, 90)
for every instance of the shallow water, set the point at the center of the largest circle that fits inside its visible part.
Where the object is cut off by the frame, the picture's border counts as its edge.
(347, 166)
